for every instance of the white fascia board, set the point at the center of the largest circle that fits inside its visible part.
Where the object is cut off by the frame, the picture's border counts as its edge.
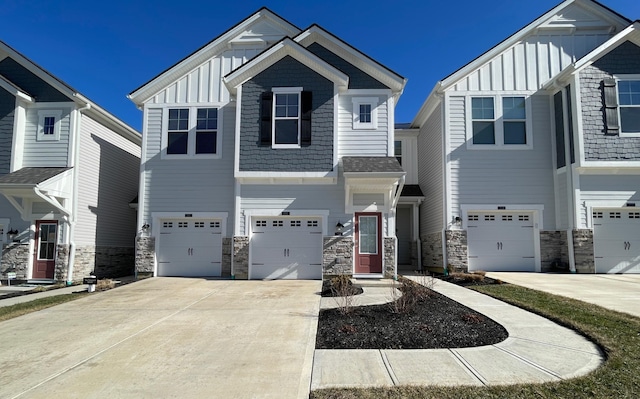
(15, 90)
(316, 34)
(170, 75)
(286, 47)
(609, 168)
(430, 104)
(110, 120)
(522, 33)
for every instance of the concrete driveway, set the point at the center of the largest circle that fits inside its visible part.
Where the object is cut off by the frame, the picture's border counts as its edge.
(620, 292)
(167, 338)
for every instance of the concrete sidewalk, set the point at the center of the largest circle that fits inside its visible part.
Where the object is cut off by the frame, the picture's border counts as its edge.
(619, 292)
(37, 295)
(537, 350)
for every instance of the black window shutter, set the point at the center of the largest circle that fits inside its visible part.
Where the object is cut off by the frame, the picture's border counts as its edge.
(266, 105)
(612, 125)
(305, 120)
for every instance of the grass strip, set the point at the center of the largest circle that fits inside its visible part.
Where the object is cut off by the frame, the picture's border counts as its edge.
(20, 309)
(617, 333)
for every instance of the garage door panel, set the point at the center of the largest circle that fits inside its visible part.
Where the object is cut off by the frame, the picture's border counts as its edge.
(190, 248)
(616, 240)
(502, 263)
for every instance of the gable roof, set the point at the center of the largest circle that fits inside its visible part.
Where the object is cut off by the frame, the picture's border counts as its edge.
(191, 61)
(316, 34)
(546, 20)
(275, 53)
(93, 109)
(631, 34)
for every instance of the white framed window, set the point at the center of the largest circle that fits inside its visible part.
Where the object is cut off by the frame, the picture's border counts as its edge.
(286, 117)
(499, 122)
(397, 150)
(49, 125)
(365, 113)
(629, 104)
(191, 132)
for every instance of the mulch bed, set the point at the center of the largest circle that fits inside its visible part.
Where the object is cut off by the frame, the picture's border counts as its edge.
(435, 322)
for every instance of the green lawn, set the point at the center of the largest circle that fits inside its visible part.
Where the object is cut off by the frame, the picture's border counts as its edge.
(617, 333)
(9, 312)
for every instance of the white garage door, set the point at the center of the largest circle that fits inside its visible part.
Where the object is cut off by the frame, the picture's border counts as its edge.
(286, 248)
(616, 240)
(501, 241)
(190, 248)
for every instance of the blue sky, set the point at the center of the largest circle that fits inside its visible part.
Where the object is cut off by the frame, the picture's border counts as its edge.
(107, 49)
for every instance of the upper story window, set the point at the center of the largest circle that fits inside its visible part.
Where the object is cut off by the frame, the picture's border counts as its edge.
(49, 125)
(192, 132)
(629, 105)
(285, 117)
(365, 114)
(499, 122)
(397, 150)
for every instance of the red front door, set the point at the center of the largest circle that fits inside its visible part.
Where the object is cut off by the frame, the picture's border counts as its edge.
(368, 243)
(44, 262)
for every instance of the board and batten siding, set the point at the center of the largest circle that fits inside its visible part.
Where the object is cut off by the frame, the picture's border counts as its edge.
(502, 177)
(606, 191)
(430, 169)
(204, 83)
(46, 153)
(108, 176)
(188, 185)
(362, 142)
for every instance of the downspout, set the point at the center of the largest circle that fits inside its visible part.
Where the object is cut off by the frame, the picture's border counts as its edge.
(74, 196)
(396, 198)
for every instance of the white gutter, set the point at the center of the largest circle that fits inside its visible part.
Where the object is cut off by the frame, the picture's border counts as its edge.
(75, 147)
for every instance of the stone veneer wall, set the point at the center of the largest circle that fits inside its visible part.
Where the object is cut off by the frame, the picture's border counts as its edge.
(457, 255)
(145, 252)
(337, 255)
(389, 259)
(62, 262)
(104, 261)
(553, 247)
(583, 251)
(226, 257)
(241, 257)
(15, 258)
(432, 250)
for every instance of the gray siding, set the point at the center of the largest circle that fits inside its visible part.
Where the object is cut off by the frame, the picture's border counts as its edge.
(26, 80)
(46, 153)
(188, 185)
(597, 145)
(318, 156)
(357, 78)
(7, 109)
(503, 177)
(352, 143)
(108, 180)
(430, 169)
(563, 204)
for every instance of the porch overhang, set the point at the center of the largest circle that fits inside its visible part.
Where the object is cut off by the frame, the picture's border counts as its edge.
(372, 183)
(28, 185)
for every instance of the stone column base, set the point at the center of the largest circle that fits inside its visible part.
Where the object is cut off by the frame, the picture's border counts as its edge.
(240, 268)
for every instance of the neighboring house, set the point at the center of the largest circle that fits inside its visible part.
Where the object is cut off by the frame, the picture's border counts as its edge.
(269, 153)
(530, 154)
(68, 170)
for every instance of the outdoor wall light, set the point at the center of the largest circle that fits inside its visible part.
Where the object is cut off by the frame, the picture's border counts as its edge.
(145, 226)
(339, 228)
(457, 221)
(11, 234)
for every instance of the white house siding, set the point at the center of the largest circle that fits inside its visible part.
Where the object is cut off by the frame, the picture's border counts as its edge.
(350, 141)
(430, 169)
(46, 153)
(188, 185)
(607, 191)
(503, 176)
(530, 63)
(204, 83)
(108, 178)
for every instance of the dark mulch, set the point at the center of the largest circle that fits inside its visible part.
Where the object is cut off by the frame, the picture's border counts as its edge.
(464, 280)
(435, 322)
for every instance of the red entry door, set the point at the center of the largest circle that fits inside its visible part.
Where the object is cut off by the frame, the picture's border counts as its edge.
(368, 243)
(45, 255)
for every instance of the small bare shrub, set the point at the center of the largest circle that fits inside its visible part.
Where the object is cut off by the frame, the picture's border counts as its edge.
(412, 293)
(348, 329)
(472, 318)
(480, 272)
(105, 284)
(343, 292)
(468, 277)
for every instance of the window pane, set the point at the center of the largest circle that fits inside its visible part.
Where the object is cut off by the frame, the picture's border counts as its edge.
(286, 131)
(630, 119)
(513, 108)
(49, 124)
(629, 92)
(177, 142)
(482, 108)
(368, 234)
(206, 142)
(515, 133)
(178, 119)
(483, 133)
(365, 113)
(286, 105)
(207, 119)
